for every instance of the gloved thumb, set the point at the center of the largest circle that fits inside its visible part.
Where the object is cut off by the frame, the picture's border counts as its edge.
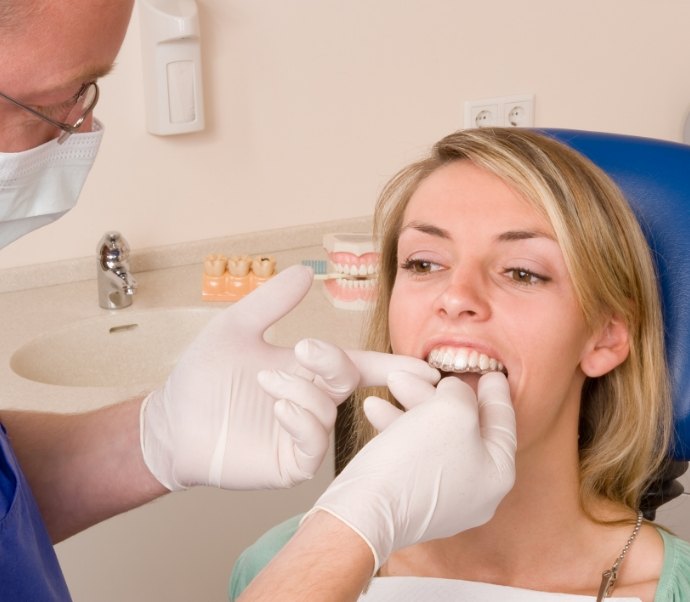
(497, 419)
(271, 301)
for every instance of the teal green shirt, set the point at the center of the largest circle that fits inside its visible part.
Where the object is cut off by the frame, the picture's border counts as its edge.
(674, 582)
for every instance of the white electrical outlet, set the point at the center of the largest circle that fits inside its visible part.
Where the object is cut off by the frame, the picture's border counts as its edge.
(482, 114)
(506, 111)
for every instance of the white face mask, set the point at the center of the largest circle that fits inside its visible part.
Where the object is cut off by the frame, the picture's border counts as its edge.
(41, 184)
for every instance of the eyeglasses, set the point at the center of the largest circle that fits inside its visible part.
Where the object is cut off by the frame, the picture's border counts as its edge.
(73, 112)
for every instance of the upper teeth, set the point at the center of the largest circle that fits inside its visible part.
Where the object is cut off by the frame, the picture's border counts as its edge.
(361, 270)
(453, 359)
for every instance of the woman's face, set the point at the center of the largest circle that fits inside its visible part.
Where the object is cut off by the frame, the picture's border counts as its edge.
(482, 283)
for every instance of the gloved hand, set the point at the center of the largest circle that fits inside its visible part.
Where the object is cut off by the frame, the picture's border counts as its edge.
(213, 424)
(438, 469)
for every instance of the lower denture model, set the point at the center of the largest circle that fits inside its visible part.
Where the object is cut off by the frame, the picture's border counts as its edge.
(353, 260)
(231, 278)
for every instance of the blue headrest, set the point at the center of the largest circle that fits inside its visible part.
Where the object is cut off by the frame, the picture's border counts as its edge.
(655, 177)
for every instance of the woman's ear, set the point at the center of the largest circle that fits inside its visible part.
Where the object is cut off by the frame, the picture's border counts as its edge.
(608, 348)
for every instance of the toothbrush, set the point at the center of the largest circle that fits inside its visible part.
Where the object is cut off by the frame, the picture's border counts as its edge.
(320, 267)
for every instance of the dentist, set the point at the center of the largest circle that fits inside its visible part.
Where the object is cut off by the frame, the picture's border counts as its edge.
(215, 421)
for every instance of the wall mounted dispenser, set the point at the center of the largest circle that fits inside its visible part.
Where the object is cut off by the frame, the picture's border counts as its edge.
(171, 57)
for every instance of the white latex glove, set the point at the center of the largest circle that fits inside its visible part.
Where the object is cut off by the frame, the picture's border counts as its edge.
(438, 469)
(213, 424)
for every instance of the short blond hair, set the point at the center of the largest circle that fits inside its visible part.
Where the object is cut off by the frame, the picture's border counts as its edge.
(625, 416)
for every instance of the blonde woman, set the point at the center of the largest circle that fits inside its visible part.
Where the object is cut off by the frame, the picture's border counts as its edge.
(506, 251)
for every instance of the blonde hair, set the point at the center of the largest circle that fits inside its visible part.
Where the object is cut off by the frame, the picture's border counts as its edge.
(625, 416)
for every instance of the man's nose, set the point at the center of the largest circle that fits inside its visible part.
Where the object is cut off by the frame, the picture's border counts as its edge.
(15, 138)
(20, 131)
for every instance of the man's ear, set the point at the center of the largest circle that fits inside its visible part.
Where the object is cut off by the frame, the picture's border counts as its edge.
(607, 348)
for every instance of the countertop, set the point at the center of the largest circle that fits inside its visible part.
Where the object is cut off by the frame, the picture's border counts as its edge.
(31, 313)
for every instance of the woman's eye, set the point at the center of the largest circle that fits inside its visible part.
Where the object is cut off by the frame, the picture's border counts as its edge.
(419, 266)
(522, 276)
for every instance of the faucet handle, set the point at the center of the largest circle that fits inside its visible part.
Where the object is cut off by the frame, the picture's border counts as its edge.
(113, 249)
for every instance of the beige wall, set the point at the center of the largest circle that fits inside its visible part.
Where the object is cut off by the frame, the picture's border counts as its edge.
(312, 104)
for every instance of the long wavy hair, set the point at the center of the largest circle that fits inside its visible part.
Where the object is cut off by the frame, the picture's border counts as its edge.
(625, 415)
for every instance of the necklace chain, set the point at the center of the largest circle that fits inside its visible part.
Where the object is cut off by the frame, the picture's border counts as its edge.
(609, 577)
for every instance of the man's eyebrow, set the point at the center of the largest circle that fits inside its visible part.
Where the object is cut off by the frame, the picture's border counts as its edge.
(89, 74)
(427, 229)
(97, 72)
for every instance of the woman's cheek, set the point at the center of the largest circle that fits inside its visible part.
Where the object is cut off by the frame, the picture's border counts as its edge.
(394, 323)
(401, 326)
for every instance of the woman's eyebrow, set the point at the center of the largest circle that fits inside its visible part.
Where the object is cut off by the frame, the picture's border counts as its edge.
(427, 229)
(508, 236)
(513, 235)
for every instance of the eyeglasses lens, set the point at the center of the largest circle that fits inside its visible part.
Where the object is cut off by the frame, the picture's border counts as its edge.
(83, 105)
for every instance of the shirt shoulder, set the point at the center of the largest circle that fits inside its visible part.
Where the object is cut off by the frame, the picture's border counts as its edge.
(259, 554)
(674, 582)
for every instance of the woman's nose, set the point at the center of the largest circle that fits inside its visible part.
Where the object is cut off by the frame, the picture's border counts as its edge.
(463, 295)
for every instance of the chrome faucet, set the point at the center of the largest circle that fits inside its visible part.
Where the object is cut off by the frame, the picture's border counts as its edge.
(115, 282)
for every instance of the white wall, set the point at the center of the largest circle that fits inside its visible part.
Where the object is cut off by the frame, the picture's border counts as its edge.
(312, 104)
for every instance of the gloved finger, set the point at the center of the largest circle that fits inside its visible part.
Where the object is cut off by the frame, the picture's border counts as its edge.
(301, 392)
(374, 367)
(495, 406)
(381, 413)
(410, 390)
(334, 371)
(310, 440)
(497, 419)
(451, 387)
(271, 301)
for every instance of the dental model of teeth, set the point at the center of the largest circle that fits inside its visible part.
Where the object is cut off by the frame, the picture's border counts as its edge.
(231, 278)
(462, 360)
(353, 262)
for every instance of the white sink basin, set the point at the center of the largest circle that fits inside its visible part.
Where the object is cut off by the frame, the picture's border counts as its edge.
(137, 347)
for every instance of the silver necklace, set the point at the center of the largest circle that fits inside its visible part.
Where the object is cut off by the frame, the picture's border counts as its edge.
(608, 578)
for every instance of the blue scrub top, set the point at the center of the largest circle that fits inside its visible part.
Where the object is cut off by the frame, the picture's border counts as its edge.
(29, 568)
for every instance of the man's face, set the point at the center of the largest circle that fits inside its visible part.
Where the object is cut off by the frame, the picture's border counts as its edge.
(47, 55)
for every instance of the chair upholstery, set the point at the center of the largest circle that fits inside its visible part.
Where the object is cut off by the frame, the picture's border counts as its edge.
(655, 177)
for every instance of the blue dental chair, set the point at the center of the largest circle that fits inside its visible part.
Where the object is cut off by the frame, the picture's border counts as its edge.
(655, 177)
